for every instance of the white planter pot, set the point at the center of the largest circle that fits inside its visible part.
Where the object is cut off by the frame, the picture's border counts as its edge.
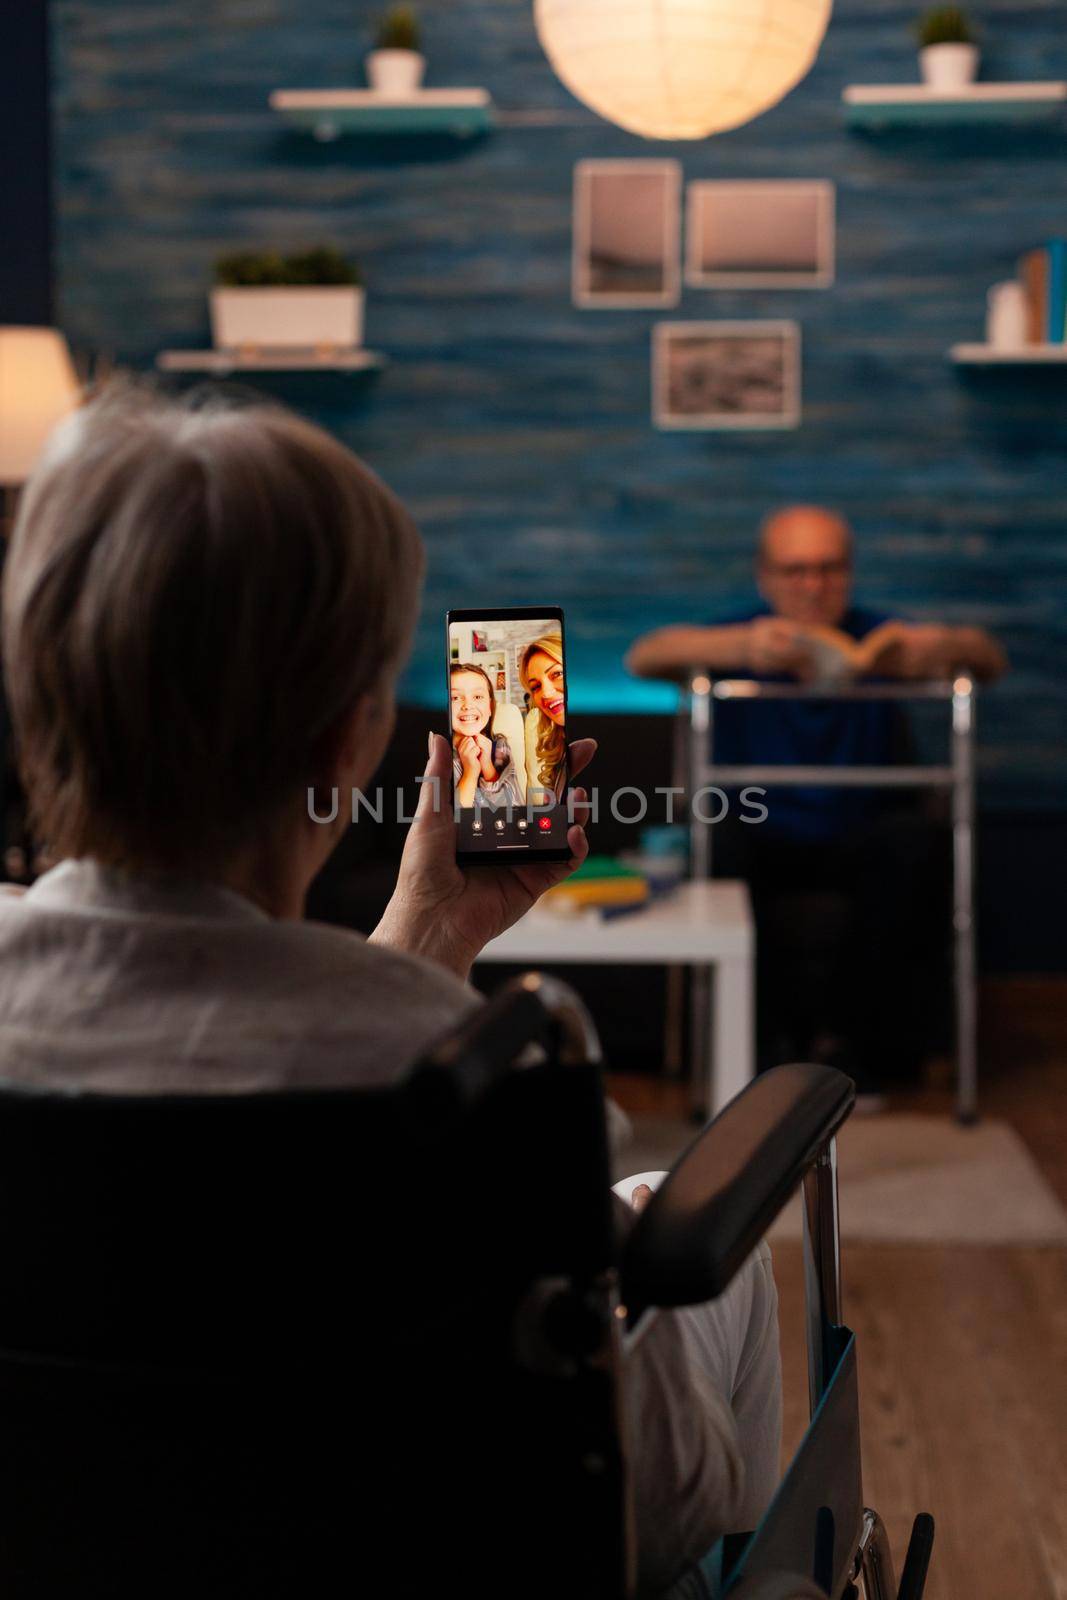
(323, 317)
(949, 66)
(395, 72)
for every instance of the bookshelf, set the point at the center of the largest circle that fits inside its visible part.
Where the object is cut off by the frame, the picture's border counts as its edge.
(328, 113)
(1027, 355)
(899, 105)
(291, 359)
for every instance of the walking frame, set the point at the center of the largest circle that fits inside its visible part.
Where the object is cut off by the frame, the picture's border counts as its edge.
(694, 755)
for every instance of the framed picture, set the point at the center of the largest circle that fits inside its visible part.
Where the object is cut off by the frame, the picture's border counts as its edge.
(760, 235)
(627, 223)
(479, 640)
(726, 375)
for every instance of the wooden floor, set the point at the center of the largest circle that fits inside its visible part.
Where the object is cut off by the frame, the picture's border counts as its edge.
(963, 1399)
(963, 1351)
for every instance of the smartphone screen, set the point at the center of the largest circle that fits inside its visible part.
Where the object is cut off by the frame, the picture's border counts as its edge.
(507, 700)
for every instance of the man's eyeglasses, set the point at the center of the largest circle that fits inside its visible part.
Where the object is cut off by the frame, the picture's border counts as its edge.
(797, 571)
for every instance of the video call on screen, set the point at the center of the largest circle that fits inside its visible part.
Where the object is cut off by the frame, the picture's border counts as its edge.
(507, 708)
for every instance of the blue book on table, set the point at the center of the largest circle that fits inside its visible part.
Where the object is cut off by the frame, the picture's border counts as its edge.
(1057, 290)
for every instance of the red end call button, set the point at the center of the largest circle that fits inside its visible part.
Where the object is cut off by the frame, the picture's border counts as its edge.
(544, 823)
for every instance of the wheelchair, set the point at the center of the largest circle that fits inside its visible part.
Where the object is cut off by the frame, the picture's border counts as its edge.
(326, 1342)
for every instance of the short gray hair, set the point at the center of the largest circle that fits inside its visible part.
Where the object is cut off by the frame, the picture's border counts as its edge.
(191, 600)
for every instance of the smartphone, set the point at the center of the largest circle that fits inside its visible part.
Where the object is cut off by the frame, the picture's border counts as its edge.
(507, 720)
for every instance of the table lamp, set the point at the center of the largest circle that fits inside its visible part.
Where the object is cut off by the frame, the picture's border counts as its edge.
(38, 386)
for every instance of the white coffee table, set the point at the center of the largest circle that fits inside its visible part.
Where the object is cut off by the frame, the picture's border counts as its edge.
(707, 926)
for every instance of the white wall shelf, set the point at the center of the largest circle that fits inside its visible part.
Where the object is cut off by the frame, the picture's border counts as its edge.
(990, 355)
(329, 113)
(897, 105)
(266, 359)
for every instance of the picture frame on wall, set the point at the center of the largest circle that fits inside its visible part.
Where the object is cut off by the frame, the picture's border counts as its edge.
(726, 375)
(626, 249)
(760, 234)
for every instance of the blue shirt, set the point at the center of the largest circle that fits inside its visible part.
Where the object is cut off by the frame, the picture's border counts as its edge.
(810, 733)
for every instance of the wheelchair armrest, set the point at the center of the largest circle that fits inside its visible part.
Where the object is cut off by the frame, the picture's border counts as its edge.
(723, 1193)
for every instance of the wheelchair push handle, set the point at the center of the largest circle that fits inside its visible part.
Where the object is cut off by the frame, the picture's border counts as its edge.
(917, 1560)
(531, 1018)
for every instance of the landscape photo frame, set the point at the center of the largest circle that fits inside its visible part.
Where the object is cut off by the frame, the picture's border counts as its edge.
(760, 234)
(726, 375)
(626, 249)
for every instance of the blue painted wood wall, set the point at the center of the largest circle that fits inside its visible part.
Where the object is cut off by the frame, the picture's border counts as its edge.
(517, 427)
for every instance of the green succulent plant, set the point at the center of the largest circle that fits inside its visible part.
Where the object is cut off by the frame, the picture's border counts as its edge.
(399, 30)
(266, 269)
(944, 25)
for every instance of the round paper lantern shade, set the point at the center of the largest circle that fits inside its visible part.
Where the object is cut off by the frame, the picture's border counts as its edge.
(680, 69)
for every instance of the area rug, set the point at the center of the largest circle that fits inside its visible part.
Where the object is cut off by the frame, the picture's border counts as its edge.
(909, 1179)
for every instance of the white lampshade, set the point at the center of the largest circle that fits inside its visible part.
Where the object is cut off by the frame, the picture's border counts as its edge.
(37, 386)
(680, 69)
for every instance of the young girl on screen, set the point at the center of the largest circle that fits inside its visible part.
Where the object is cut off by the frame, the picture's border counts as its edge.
(482, 765)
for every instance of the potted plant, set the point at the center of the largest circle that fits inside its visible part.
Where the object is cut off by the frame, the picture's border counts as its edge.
(948, 54)
(313, 299)
(395, 65)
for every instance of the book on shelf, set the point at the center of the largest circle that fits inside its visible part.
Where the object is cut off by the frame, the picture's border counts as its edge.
(1057, 289)
(1043, 275)
(1033, 275)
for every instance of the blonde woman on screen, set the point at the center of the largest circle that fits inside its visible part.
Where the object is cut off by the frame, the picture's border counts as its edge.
(541, 674)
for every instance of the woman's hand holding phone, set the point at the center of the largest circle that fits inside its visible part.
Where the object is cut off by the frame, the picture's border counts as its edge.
(448, 914)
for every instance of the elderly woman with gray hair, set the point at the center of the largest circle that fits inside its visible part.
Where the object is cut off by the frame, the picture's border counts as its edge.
(205, 613)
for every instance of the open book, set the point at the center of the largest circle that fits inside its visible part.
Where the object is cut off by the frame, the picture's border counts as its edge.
(835, 657)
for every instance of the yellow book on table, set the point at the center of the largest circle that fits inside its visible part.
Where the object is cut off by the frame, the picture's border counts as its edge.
(600, 881)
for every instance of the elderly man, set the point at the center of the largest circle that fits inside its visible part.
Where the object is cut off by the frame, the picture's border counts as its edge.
(841, 878)
(804, 575)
